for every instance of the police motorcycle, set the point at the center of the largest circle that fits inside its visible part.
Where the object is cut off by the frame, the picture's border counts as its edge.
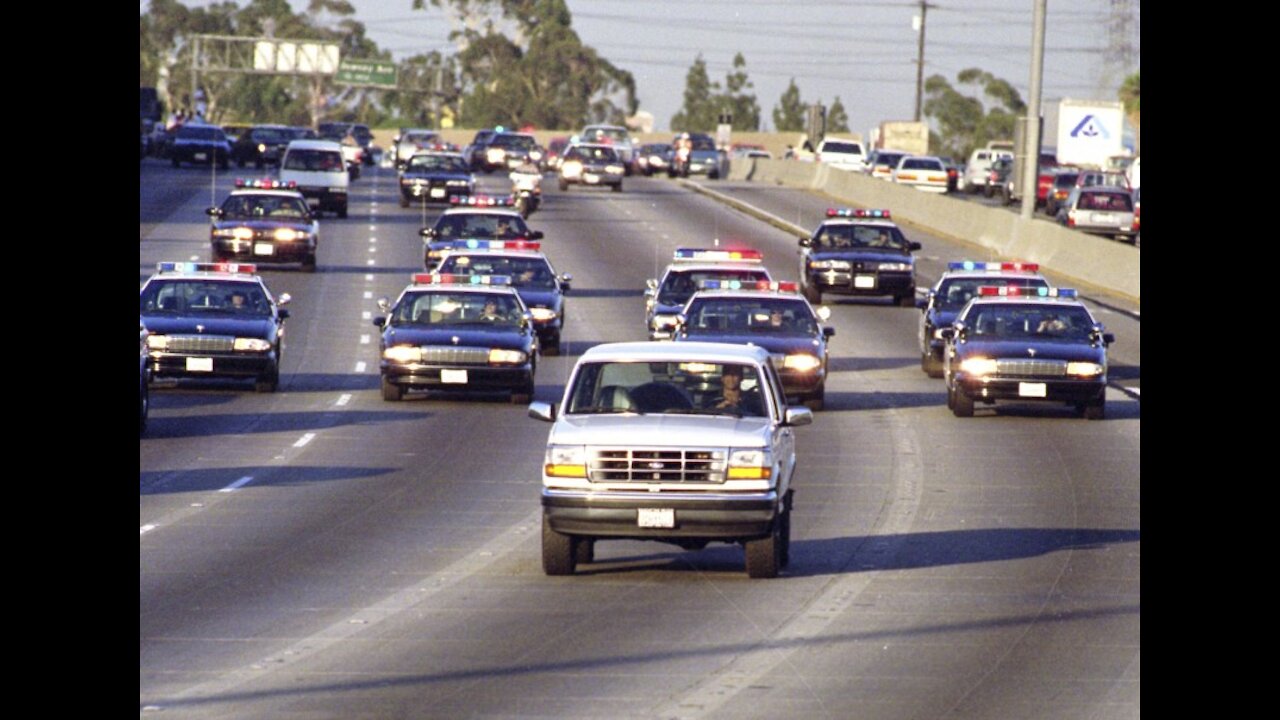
(526, 188)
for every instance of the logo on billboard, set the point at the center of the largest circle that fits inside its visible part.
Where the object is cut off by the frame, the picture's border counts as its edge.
(1090, 127)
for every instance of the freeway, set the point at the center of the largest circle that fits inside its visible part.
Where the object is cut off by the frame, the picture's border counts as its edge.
(321, 553)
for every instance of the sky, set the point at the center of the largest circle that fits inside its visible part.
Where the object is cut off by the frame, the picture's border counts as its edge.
(863, 51)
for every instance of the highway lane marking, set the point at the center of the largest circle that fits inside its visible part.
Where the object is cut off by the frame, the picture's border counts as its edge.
(373, 249)
(237, 484)
(364, 339)
(368, 278)
(368, 294)
(146, 529)
(371, 261)
(366, 315)
(360, 366)
(373, 228)
(304, 440)
(195, 258)
(343, 399)
(373, 241)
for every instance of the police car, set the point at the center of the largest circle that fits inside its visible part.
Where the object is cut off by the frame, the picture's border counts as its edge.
(858, 252)
(537, 283)
(457, 332)
(953, 291)
(267, 221)
(213, 320)
(435, 177)
(476, 217)
(665, 298)
(770, 315)
(1026, 344)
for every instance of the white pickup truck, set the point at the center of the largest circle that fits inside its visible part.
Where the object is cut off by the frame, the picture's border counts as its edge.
(684, 443)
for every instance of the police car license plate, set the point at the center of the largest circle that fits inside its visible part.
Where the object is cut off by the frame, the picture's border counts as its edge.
(195, 364)
(437, 192)
(453, 377)
(864, 281)
(200, 156)
(264, 249)
(590, 178)
(1032, 390)
(656, 517)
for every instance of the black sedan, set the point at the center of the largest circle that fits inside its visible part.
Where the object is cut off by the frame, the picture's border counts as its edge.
(459, 333)
(1026, 345)
(206, 320)
(858, 252)
(200, 144)
(261, 145)
(264, 225)
(435, 177)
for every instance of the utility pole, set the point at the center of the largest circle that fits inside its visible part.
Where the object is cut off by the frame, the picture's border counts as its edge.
(924, 8)
(1031, 144)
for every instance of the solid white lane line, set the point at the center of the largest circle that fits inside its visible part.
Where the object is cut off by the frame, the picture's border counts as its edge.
(302, 441)
(360, 367)
(237, 484)
(343, 399)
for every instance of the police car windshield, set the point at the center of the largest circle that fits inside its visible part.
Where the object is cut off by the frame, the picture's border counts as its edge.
(750, 315)
(264, 207)
(474, 225)
(845, 236)
(1030, 321)
(687, 388)
(454, 309)
(678, 287)
(525, 272)
(953, 293)
(203, 297)
(437, 163)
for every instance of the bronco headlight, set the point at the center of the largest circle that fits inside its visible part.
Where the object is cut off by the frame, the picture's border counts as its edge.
(978, 366)
(499, 356)
(251, 345)
(802, 362)
(1084, 369)
(543, 314)
(403, 353)
(750, 464)
(566, 461)
(895, 266)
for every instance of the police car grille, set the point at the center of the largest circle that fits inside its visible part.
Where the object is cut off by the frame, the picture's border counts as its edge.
(449, 355)
(1031, 368)
(201, 343)
(649, 465)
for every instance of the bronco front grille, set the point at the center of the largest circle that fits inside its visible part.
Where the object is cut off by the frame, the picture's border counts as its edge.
(650, 465)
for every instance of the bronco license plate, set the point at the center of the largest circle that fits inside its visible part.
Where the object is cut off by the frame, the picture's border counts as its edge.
(656, 517)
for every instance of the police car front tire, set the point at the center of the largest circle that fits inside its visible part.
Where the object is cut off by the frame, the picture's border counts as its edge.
(390, 391)
(961, 404)
(1096, 410)
(269, 382)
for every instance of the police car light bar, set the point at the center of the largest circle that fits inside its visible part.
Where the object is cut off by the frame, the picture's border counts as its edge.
(450, 279)
(745, 255)
(190, 267)
(857, 213)
(772, 286)
(1012, 291)
(490, 245)
(1008, 266)
(265, 183)
(480, 200)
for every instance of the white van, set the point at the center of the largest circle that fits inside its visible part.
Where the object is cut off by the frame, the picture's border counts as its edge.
(842, 154)
(979, 165)
(318, 168)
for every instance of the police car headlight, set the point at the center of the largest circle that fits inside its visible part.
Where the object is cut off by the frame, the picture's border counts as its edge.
(157, 342)
(572, 168)
(288, 234)
(251, 345)
(1084, 369)
(830, 265)
(457, 183)
(499, 356)
(614, 169)
(495, 154)
(535, 155)
(750, 464)
(664, 321)
(802, 362)
(240, 233)
(403, 353)
(895, 266)
(568, 461)
(978, 367)
(262, 147)
(543, 314)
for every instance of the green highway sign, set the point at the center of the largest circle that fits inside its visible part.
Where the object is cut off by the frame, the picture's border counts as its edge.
(366, 72)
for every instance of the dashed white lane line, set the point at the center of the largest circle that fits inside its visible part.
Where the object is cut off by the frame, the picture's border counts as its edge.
(364, 339)
(368, 294)
(373, 241)
(366, 315)
(360, 367)
(146, 529)
(371, 260)
(194, 258)
(373, 228)
(237, 484)
(343, 399)
(368, 278)
(1135, 391)
(372, 249)
(302, 441)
